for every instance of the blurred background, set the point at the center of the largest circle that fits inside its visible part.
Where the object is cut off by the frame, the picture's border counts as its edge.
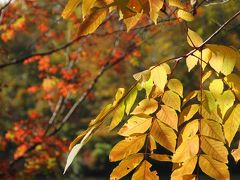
(45, 69)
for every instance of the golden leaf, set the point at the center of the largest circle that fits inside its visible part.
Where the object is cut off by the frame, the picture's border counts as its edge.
(225, 101)
(130, 100)
(192, 61)
(146, 106)
(190, 96)
(216, 87)
(159, 77)
(210, 115)
(155, 6)
(193, 39)
(86, 7)
(152, 143)
(142, 76)
(118, 96)
(236, 154)
(168, 116)
(144, 172)
(232, 124)
(124, 148)
(92, 22)
(117, 116)
(163, 135)
(186, 150)
(214, 149)
(186, 168)
(212, 129)
(190, 130)
(172, 100)
(176, 86)
(213, 168)
(126, 166)
(132, 21)
(185, 15)
(161, 157)
(233, 82)
(69, 8)
(176, 3)
(188, 113)
(206, 75)
(216, 61)
(135, 125)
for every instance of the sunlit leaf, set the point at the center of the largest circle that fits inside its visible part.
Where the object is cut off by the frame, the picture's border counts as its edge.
(214, 149)
(236, 154)
(212, 129)
(232, 124)
(163, 135)
(130, 100)
(142, 76)
(117, 116)
(190, 96)
(159, 76)
(190, 130)
(146, 106)
(132, 21)
(176, 3)
(225, 101)
(124, 148)
(172, 100)
(86, 7)
(152, 143)
(216, 87)
(233, 82)
(136, 124)
(69, 8)
(144, 172)
(193, 39)
(186, 168)
(168, 116)
(186, 150)
(185, 15)
(126, 166)
(213, 168)
(176, 86)
(188, 113)
(155, 6)
(206, 75)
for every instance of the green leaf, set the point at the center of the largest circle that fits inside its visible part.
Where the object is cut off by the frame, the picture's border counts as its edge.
(130, 100)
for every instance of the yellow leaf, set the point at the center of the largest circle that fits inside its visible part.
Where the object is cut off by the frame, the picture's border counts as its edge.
(191, 61)
(206, 75)
(92, 22)
(136, 125)
(210, 115)
(193, 39)
(159, 77)
(172, 100)
(146, 106)
(132, 21)
(117, 116)
(190, 96)
(161, 157)
(213, 168)
(152, 143)
(216, 61)
(214, 149)
(163, 135)
(211, 102)
(144, 172)
(130, 100)
(176, 86)
(216, 87)
(225, 101)
(126, 166)
(186, 168)
(124, 148)
(205, 57)
(142, 76)
(186, 150)
(236, 154)
(212, 129)
(188, 113)
(69, 8)
(155, 6)
(185, 15)
(233, 82)
(86, 7)
(168, 116)
(190, 130)
(176, 3)
(148, 86)
(232, 124)
(118, 96)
